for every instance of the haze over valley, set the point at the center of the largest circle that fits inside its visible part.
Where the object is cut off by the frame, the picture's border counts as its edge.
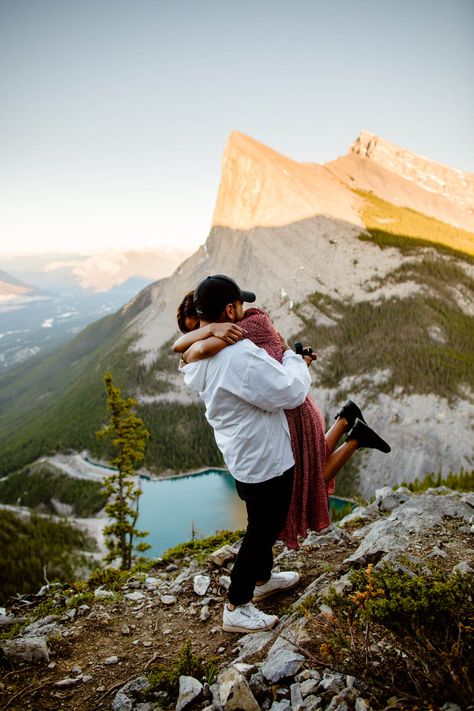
(46, 299)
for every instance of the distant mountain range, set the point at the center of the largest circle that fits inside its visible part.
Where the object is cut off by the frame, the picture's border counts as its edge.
(369, 257)
(70, 291)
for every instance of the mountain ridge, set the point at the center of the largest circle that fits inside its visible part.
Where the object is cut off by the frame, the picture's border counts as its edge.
(407, 179)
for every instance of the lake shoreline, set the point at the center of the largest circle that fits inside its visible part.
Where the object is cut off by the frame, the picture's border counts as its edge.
(80, 465)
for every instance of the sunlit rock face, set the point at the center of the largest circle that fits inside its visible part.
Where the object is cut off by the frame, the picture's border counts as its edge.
(262, 188)
(407, 179)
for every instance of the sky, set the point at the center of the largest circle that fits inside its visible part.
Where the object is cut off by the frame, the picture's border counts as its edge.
(114, 114)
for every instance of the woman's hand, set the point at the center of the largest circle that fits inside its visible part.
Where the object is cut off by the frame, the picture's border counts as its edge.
(229, 332)
(284, 344)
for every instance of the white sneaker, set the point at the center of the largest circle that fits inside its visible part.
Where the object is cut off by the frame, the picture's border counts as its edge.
(277, 583)
(247, 618)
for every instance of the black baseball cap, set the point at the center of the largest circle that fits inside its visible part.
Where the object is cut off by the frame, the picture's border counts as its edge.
(213, 293)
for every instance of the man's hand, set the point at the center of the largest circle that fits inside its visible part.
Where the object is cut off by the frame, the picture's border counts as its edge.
(229, 332)
(309, 359)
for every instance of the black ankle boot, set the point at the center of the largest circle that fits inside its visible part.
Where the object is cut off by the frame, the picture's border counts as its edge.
(366, 437)
(350, 412)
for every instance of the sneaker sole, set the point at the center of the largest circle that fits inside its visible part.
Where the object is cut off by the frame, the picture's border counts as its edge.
(246, 630)
(257, 598)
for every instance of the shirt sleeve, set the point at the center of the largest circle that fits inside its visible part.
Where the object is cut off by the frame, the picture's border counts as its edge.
(272, 386)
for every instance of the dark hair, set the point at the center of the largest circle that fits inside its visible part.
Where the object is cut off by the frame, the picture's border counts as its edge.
(185, 310)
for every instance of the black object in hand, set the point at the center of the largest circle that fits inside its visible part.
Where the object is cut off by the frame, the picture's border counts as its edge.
(302, 351)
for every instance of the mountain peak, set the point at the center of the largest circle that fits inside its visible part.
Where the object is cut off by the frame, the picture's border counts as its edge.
(263, 188)
(426, 173)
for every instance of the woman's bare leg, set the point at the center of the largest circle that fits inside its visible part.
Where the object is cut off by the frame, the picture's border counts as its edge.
(337, 459)
(334, 434)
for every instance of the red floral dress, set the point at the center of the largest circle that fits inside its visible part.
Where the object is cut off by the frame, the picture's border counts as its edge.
(309, 509)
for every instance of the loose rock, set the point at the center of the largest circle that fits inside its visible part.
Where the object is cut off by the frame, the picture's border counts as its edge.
(283, 663)
(111, 660)
(235, 692)
(135, 596)
(71, 681)
(201, 584)
(30, 649)
(168, 599)
(189, 690)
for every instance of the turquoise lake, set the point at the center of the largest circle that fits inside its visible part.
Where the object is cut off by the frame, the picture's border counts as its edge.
(171, 509)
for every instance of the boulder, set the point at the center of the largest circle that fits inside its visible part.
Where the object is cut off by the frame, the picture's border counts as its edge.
(253, 643)
(111, 660)
(222, 555)
(313, 703)
(360, 513)
(42, 628)
(122, 702)
(235, 692)
(296, 697)
(168, 599)
(464, 568)
(285, 662)
(329, 535)
(283, 705)
(29, 649)
(332, 682)
(309, 686)
(189, 690)
(387, 500)
(101, 594)
(416, 516)
(205, 614)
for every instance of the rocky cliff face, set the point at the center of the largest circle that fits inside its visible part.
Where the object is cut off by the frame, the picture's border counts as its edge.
(262, 188)
(407, 179)
(427, 174)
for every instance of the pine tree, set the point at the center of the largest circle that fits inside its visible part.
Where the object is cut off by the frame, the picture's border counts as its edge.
(129, 439)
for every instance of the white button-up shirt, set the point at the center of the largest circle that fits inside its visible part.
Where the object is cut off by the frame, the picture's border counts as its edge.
(245, 392)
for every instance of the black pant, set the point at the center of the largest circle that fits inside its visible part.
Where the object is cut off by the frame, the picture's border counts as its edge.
(267, 505)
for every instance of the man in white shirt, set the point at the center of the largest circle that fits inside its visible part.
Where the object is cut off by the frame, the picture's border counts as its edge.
(245, 392)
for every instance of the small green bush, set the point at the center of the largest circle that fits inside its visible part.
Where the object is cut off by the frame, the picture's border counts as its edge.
(110, 578)
(403, 633)
(202, 547)
(165, 677)
(462, 481)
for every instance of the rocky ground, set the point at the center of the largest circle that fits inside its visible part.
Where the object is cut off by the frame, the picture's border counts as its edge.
(97, 653)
